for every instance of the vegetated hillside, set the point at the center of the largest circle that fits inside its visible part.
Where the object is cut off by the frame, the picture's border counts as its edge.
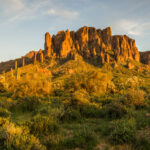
(74, 102)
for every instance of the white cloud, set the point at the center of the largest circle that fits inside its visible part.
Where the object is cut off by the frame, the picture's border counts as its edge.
(62, 13)
(18, 10)
(130, 27)
(11, 6)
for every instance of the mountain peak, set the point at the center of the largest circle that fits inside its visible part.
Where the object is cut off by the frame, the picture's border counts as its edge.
(92, 42)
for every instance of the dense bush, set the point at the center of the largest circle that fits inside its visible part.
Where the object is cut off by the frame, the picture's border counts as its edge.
(71, 115)
(4, 112)
(123, 131)
(142, 143)
(90, 111)
(17, 138)
(28, 103)
(92, 81)
(31, 84)
(7, 102)
(79, 97)
(56, 112)
(83, 138)
(42, 126)
(114, 110)
(135, 97)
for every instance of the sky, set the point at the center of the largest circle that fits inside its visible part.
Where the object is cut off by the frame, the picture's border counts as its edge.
(23, 23)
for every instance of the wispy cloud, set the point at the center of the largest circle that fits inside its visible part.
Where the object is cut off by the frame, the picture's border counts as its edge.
(18, 10)
(130, 27)
(11, 6)
(62, 13)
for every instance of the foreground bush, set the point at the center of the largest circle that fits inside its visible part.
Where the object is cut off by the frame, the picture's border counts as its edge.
(28, 103)
(71, 115)
(142, 143)
(42, 126)
(17, 138)
(135, 97)
(4, 112)
(114, 110)
(90, 111)
(83, 138)
(92, 81)
(123, 131)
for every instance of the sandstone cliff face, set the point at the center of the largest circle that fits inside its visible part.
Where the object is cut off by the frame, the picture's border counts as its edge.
(91, 42)
(145, 57)
(48, 44)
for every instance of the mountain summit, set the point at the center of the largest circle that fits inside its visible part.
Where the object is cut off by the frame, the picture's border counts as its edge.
(91, 42)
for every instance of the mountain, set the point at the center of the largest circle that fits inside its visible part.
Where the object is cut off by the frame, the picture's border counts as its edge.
(95, 45)
(86, 90)
(91, 42)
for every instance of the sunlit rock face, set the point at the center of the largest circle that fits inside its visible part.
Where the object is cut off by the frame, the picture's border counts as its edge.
(48, 44)
(145, 57)
(90, 42)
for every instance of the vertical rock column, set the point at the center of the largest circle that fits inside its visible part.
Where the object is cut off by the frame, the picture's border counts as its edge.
(48, 44)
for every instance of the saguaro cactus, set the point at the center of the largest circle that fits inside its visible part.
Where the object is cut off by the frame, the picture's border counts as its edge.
(16, 65)
(41, 56)
(23, 61)
(18, 74)
(17, 71)
(35, 58)
(12, 73)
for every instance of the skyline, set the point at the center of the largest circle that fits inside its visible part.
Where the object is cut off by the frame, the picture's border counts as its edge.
(23, 23)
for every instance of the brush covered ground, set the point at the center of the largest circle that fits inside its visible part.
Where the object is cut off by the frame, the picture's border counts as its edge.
(75, 105)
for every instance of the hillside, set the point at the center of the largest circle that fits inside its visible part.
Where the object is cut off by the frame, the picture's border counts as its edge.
(87, 90)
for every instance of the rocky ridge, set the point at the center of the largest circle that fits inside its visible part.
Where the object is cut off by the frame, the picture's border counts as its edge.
(91, 42)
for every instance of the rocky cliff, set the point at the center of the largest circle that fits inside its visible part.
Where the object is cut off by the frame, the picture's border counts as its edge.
(145, 57)
(91, 42)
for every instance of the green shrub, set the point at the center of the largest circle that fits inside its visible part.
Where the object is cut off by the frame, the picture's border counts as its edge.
(7, 103)
(29, 103)
(17, 138)
(141, 120)
(142, 143)
(114, 110)
(4, 112)
(123, 131)
(83, 138)
(71, 115)
(92, 81)
(53, 141)
(56, 112)
(135, 97)
(42, 125)
(90, 111)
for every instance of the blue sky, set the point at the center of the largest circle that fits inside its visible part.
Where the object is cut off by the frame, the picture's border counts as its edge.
(23, 23)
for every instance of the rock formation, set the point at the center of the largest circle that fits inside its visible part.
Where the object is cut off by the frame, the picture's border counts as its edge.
(91, 42)
(145, 57)
(87, 43)
(48, 44)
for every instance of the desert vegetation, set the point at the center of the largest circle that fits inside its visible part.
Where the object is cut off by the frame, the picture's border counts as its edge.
(74, 105)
